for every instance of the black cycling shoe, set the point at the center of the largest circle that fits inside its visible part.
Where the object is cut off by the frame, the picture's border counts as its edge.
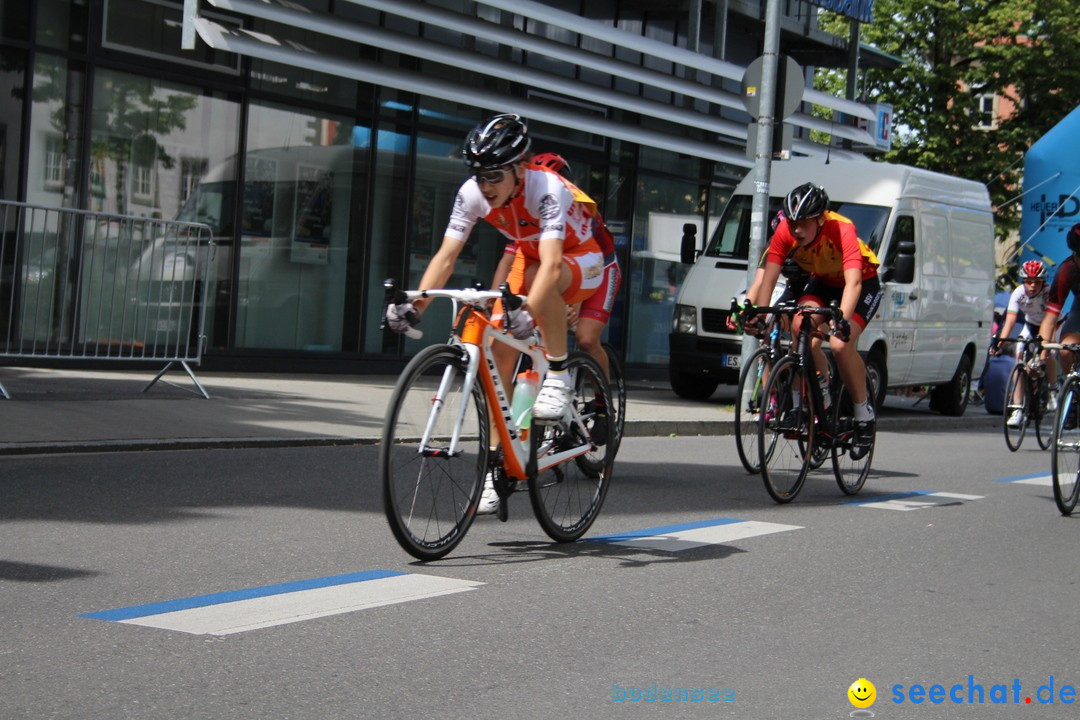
(599, 431)
(863, 439)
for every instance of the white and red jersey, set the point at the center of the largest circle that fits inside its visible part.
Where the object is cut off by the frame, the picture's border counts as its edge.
(550, 207)
(1033, 306)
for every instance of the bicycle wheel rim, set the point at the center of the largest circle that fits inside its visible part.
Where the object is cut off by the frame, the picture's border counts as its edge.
(749, 403)
(617, 382)
(567, 497)
(1017, 384)
(783, 437)
(430, 494)
(851, 466)
(1065, 450)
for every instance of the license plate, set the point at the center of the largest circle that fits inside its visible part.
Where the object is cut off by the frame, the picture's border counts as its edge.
(731, 361)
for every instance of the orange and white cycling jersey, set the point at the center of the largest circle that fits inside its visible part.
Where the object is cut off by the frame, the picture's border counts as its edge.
(549, 208)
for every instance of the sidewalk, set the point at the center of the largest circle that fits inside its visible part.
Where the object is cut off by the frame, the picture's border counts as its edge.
(88, 411)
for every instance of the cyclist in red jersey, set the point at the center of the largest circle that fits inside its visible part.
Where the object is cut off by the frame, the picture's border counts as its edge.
(1066, 280)
(842, 268)
(591, 316)
(550, 219)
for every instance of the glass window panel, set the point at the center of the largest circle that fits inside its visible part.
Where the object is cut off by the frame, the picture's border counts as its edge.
(12, 87)
(15, 19)
(147, 139)
(154, 28)
(62, 24)
(53, 173)
(661, 209)
(303, 179)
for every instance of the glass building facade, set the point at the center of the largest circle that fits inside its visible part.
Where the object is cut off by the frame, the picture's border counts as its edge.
(323, 166)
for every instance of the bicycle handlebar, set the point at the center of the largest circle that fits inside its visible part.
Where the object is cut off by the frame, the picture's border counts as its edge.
(832, 312)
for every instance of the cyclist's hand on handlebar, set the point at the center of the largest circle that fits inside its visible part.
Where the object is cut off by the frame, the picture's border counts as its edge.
(403, 318)
(842, 329)
(521, 324)
(753, 324)
(995, 346)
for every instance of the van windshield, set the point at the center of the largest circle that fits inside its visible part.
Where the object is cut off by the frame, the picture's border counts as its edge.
(732, 236)
(207, 205)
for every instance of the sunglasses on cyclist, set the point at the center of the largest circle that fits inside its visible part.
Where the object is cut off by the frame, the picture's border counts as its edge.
(1034, 281)
(491, 177)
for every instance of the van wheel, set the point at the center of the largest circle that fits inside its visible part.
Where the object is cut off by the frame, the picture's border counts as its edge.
(692, 387)
(877, 374)
(952, 399)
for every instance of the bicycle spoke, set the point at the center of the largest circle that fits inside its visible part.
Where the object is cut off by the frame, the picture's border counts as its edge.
(1065, 451)
(783, 437)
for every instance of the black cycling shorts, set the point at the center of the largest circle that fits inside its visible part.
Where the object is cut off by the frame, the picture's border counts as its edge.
(820, 293)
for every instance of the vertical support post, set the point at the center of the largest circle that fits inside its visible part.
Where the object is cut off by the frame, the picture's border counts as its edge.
(759, 220)
(187, 36)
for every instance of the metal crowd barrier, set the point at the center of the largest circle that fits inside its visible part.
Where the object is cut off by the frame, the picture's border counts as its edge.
(82, 285)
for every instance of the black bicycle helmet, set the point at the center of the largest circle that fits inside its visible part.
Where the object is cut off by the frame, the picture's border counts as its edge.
(806, 201)
(498, 141)
(1073, 238)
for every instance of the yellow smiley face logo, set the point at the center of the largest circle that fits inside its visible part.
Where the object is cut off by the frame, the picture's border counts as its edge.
(862, 693)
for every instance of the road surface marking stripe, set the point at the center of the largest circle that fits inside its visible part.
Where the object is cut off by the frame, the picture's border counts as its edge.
(913, 500)
(1041, 479)
(673, 538)
(242, 610)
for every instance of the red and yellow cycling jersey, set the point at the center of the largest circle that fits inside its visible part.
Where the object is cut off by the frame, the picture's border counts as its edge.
(836, 249)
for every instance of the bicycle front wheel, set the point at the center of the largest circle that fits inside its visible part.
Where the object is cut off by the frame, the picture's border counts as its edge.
(786, 438)
(434, 453)
(748, 408)
(1065, 450)
(1017, 402)
(1041, 417)
(851, 462)
(567, 494)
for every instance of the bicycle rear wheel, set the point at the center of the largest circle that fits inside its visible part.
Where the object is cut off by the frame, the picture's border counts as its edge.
(1065, 451)
(567, 496)
(617, 382)
(749, 405)
(1041, 417)
(1017, 400)
(851, 464)
(783, 437)
(430, 489)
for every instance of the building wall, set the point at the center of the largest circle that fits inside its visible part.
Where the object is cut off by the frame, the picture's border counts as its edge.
(319, 186)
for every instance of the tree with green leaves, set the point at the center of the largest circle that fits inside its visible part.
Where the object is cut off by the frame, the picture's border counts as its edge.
(1025, 52)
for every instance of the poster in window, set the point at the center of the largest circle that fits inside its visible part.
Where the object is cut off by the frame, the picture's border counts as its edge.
(311, 230)
(258, 213)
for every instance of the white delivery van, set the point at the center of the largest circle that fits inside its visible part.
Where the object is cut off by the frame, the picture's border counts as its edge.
(934, 237)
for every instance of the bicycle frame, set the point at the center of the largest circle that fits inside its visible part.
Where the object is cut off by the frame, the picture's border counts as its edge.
(477, 336)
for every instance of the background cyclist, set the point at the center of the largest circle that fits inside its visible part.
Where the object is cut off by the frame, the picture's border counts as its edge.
(1030, 298)
(841, 268)
(1066, 280)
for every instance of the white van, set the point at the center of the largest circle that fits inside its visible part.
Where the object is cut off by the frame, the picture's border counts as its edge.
(934, 237)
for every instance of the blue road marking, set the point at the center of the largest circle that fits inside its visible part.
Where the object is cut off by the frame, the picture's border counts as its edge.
(199, 601)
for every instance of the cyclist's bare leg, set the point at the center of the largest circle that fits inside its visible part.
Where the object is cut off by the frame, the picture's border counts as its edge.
(850, 364)
(588, 333)
(546, 286)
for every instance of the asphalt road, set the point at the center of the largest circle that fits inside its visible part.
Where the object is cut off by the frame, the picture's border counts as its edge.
(972, 591)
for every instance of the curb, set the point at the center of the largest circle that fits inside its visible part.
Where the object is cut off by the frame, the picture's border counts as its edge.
(634, 428)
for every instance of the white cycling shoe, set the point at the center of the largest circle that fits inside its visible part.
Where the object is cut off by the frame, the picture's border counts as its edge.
(1015, 419)
(489, 499)
(552, 401)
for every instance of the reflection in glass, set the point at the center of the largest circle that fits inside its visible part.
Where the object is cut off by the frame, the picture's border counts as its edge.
(302, 178)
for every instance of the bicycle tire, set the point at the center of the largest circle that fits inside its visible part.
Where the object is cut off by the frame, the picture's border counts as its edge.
(1017, 383)
(430, 496)
(1042, 418)
(748, 408)
(850, 466)
(567, 497)
(1065, 450)
(783, 437)
(617, 381)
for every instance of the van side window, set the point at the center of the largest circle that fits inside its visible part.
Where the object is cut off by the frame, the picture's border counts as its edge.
(903, 231)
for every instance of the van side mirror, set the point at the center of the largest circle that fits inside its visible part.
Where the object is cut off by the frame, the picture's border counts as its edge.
(903, 269)
(688, 249)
